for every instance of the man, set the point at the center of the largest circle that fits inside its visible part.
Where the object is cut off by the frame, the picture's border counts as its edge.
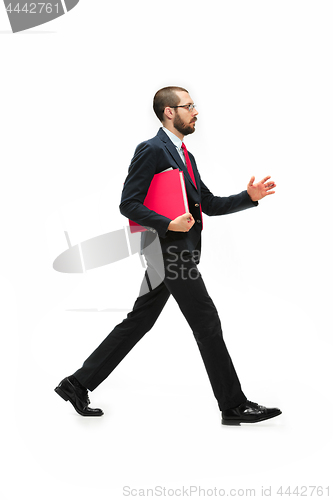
(180, 243)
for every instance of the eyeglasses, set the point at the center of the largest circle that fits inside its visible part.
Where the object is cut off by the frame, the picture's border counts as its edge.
(189, 107)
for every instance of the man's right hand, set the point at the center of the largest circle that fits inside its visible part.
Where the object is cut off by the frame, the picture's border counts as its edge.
(183, 223)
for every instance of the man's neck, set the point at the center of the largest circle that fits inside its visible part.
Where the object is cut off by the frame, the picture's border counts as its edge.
(172, 129)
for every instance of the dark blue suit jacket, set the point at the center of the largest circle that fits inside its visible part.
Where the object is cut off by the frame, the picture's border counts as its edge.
(152, 157)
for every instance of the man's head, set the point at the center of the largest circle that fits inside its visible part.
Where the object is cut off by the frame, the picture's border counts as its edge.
(174, 108)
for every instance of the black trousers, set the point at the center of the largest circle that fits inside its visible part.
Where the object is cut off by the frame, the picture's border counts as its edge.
(184, 282)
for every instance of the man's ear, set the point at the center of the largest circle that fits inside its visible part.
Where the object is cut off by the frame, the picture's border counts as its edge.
(168, 113)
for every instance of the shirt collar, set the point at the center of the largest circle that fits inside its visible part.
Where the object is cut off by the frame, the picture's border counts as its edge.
(177, 142)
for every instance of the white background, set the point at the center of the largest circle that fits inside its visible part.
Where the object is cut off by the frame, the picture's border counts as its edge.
(76, 99)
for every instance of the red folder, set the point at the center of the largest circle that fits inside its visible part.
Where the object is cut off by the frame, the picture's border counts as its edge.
(166, 196)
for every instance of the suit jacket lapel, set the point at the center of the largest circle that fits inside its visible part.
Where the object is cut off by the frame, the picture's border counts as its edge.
(195, 172)
(175, 155)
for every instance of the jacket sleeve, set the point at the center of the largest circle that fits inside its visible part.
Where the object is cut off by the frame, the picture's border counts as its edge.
(141, 172)
(218, 205)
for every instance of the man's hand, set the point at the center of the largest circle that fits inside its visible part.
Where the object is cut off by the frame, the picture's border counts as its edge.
(183, 223)
(261, 189)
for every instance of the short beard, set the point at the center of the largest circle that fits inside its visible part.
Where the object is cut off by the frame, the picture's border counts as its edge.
(181, 127)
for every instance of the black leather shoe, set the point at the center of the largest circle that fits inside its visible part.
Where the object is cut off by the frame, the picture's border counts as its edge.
(248, 412)
(78, 396)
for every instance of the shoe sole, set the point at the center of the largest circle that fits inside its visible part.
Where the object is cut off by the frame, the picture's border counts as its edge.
(64, 396)
(241, 421)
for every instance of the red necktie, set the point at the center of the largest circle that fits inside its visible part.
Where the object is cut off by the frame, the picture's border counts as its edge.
(190, 171)
(188, 163)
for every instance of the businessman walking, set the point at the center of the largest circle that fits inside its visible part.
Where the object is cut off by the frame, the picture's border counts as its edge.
(180, 248)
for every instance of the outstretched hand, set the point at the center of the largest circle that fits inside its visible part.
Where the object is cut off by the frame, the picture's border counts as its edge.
(261, 189)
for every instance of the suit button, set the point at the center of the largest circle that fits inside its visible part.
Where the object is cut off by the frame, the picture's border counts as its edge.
(197, 205)
(199, 221)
